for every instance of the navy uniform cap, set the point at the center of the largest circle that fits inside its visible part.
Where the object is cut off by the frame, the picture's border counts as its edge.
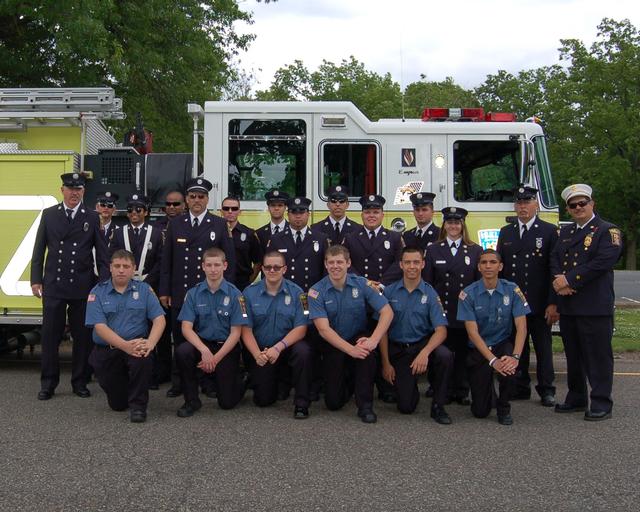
(108, 197)
(137, 200)
(298, 204)
(525, 193)
(422, 198)
(372, 201)
(199, 185)
(454, 213)
(338, 192)
(73, 179)
(276, 196)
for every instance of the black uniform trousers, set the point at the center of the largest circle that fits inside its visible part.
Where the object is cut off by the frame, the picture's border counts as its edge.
(178, 339)
(124, 378)
(54, 319)
(458, 342)
(540, 333)
(163, 355)
(587, 345)
(401, 355)
(226, 375)
(295, 363)
(344, 374)
(481, 374)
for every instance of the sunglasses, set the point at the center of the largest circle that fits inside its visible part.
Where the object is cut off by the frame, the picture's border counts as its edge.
(272, 268)
(107, 205)
(131, 209)
(230, 208)
(337, 201)
(581, 204)
(197, 196)
(173, 203)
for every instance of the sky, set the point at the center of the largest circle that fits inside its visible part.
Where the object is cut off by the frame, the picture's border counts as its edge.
(466, 40)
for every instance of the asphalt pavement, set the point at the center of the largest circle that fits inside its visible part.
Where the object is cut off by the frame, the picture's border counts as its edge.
(627, 287)
(75, 454)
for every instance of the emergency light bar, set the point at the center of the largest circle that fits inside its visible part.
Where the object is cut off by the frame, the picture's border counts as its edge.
(466, 114)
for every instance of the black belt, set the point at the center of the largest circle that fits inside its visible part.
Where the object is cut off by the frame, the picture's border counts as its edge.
(405, 345)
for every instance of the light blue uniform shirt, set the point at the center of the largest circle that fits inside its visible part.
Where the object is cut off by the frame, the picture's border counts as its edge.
(346, 310)
(213, 314)
(272, 317)
(127, 314)
(494, 313)
(415, 315)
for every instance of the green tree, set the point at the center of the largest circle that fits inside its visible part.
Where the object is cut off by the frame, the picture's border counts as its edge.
(158, 55)
(377, 96)
(422, 94)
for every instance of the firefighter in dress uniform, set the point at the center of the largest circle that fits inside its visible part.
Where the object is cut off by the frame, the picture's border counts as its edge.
(68, 232)
(582, 265)
(120, 310)
(451, 264)
(106, 207)
(426, 232)
(337, 225)
(187, 237)
(277, 205)
(525, 247)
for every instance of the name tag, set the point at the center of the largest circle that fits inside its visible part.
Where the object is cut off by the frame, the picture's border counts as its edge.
(282, 250)
(440, 262)
(182, 240)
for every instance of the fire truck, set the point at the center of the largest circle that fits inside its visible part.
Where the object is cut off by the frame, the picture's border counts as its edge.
(468, 158)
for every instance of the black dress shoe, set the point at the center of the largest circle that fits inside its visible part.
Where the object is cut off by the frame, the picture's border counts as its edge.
(173, 392)
(548, 401)
(82, 392)
(367, 416)
(505, 419)
(45, 394)
(569, 408)
(440, 415)
(301, 413)
(188, 409)
(430, 392)
(212, 393)
(154, 386)
(521, 395)
(388, 397)
(138, 416)
(462, 400)
(597, 415)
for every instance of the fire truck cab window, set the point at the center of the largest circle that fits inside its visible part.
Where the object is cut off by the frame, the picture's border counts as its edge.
(485, 170)
(351, 164)
(266, 154)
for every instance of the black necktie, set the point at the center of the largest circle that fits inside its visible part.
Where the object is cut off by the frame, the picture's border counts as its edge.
(337, 230)
(372, 235)
(276, 230)
(195, 222)
(69, 214)
(524, 230)
(136, 231)
(298, 238)
(419, 233)
(454, 248)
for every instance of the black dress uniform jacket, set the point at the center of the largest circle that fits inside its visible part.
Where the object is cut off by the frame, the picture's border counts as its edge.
(264, 234)
(376, 259)
(181, 266)
(248, 252)
(68, 271)
(428, 237)
(326, 227)
(450, 274)
(110, 232)
(305, 263)
(526, 261)
(136, 242)
(586, 257)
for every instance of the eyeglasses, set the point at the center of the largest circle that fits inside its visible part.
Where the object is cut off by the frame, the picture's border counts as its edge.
(272, 268)
(581, 204)
(230, 208)
(338, 201)
(197, 196)
(175, 204)
(131, 209)
(107, 205)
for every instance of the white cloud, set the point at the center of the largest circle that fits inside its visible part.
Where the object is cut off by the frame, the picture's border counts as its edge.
(464, 39)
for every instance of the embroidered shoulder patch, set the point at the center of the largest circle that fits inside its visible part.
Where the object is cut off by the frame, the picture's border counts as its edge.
(313, 293)
(91, 297)
(520, 294)
(615, 236)
(462, 295)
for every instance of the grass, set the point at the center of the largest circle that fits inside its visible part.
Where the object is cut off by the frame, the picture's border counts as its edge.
(626, 338)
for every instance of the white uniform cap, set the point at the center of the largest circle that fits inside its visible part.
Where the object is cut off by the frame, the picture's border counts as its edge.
(579, 189)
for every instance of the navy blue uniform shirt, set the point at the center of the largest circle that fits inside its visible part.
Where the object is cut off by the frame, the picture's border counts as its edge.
(493, 312)
(345, 309)
(272, 317)
(213, 314)
(127, 314)
(415, 315)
